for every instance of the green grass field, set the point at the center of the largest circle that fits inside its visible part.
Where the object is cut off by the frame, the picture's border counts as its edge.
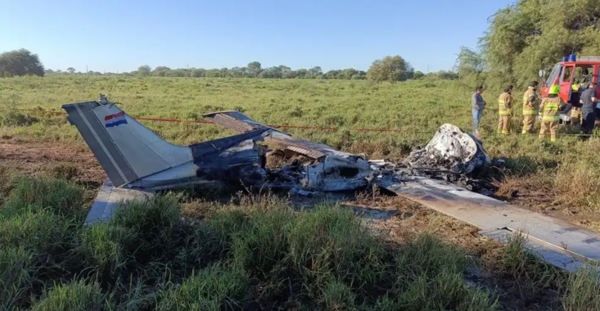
(564, 173)
(257, 252)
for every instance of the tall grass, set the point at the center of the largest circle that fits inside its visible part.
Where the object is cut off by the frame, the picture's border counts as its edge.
(214, 288)
(416, 108)
(257, 255)
(262, 256)
(77, 296)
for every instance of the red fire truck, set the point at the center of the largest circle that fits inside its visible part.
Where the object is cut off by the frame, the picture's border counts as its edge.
(572, 70)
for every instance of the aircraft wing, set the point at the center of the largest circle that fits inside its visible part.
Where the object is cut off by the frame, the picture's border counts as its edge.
(239, 122)
(559, 243)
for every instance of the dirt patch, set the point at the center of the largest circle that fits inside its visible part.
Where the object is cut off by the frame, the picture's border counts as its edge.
(72, 161)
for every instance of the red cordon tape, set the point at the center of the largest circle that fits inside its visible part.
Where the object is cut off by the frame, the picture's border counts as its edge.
(271, 125)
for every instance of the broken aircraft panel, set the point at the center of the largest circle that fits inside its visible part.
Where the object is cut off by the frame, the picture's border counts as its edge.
(241, 123)
(333, 170)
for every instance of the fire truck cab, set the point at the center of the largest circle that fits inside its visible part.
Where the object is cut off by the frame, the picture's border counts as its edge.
(572, 71)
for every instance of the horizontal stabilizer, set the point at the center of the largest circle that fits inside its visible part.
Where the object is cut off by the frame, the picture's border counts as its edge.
(109, 199)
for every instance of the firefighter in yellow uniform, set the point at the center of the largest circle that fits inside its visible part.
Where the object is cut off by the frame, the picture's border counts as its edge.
(530, 101)
(505, 112)
(550, 107)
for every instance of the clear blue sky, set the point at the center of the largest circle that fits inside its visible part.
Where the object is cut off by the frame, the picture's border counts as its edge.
(120, 35)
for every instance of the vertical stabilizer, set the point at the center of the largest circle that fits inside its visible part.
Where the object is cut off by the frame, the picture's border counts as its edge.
(126, 149)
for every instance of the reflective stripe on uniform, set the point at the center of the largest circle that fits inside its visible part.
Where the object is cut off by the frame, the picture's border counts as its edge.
(528, 112)
(551, 118)
(504, 112)
(551, 107)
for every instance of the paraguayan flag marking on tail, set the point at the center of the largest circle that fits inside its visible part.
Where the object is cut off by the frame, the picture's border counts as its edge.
(115, 119)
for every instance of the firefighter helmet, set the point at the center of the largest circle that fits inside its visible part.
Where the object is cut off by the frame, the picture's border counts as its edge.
(554, 90)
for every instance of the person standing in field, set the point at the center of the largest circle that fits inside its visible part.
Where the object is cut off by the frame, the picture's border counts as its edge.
(551, 107)
(477, 107)
(530, 101)
(588, 101)
(505, 112)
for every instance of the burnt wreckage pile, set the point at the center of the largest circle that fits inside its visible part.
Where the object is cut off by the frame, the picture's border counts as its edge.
(451, 154)
(137, 159)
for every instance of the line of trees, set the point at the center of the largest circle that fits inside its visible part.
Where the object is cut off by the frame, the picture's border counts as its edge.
(391, 68)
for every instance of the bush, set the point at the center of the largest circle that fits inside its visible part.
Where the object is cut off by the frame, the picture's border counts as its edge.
(581, 290)
(261, 250)
(146, 240)
(41, 232)
(151, 225)
(210, 289)
(429, 268)
(103, 247)
(328, 245)
(56, 195)
(15, 118)
(16, 275)
(78, 295)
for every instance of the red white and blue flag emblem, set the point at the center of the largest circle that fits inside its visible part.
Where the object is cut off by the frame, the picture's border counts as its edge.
(115, 119)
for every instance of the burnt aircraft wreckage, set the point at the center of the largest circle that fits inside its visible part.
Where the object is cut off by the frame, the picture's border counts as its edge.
(138, 163)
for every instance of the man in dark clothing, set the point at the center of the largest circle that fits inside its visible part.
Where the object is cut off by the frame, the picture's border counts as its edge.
(588, 100)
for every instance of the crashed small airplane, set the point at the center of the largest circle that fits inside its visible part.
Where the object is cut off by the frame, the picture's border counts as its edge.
(138, 163)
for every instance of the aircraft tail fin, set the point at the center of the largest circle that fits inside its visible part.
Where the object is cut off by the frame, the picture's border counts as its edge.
(126, 149)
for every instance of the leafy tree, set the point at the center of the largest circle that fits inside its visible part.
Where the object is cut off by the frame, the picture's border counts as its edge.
(160, 71)
(446, 75)
(254, 68)
(468, 62)
(20, 63)
(315, 71)
(213, 73)
(144, 71)
(71, 70)
(237, 72)
(391, 68)
(333, 74)
(302, 73)
(418, 75)
(535, 34)
(291, 74)
(348, 73)
(197, 73)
